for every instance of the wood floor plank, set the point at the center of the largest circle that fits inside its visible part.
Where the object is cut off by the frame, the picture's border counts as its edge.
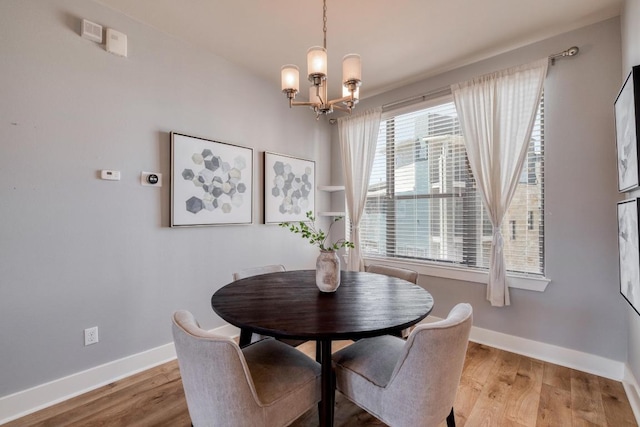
(479, 362)
(557, 376)
(490, 407)
(46, 416)
(554, 408)
(468, 393)
(152, 406)
(497, 389)
(521, 406)
(586, 400)
(617, 409)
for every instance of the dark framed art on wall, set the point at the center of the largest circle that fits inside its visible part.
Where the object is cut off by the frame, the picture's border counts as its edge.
(627, 119)
(629, 251)
(211, 182)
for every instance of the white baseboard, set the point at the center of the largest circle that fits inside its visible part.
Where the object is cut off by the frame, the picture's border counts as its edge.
(25, 402)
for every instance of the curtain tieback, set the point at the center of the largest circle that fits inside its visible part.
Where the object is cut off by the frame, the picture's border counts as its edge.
(498, 241)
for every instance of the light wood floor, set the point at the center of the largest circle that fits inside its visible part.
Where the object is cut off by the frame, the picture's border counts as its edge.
(497, 388)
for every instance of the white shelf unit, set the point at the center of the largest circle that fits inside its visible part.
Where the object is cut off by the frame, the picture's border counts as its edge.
(334, 214)
(331, 189)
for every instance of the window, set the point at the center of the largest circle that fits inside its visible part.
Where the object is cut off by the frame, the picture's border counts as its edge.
(422, 203)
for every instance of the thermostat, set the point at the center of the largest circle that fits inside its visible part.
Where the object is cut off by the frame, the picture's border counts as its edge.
(151, 179)
(110, 175)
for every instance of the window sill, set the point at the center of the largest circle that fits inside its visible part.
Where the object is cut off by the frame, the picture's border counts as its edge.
(517, 281)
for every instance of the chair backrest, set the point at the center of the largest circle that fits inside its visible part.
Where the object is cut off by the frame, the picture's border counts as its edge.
(248, 272)
(215, 376)
(429, 369)
(401, 273)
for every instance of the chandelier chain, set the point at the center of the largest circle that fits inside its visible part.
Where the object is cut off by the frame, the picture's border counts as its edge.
(324, 22)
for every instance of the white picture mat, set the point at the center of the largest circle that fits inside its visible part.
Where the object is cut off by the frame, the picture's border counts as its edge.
(629, 251)
(183, 148)
(282, 206)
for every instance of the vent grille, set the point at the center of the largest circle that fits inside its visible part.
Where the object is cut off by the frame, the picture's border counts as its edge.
(91, 31)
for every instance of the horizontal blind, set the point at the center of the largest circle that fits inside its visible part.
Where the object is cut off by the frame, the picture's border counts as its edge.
(423, 204)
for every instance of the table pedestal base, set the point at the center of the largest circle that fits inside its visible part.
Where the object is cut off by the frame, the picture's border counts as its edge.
(328, 392)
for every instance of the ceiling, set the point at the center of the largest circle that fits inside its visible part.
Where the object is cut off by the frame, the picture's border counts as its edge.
(400, 41)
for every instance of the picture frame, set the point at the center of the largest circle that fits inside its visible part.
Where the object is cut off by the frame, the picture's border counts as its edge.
(629, 252)
(289, 188)
(211, 182)
(627, 121)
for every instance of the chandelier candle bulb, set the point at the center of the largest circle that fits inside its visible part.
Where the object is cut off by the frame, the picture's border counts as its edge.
(290, 78)
(316, 64)
(351, 68)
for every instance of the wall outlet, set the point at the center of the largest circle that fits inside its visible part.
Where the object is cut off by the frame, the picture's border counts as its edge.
(91, 336)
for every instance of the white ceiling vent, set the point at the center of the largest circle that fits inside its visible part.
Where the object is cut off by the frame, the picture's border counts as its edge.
(91, 31)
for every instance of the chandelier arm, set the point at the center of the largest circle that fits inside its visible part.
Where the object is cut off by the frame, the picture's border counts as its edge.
(302, 103)
(322, 101)
(343, 99)
(341, 108)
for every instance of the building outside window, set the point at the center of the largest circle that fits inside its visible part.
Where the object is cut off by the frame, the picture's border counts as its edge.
(423, 204)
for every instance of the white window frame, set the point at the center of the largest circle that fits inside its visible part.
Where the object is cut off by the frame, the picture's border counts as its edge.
(531, 282)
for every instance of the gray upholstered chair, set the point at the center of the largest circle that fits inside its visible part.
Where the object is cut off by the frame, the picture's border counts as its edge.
(248, 272)
(265, 384)
(400, 273)
(408, 383)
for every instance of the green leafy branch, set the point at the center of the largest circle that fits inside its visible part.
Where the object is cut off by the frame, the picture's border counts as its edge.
(315, 235)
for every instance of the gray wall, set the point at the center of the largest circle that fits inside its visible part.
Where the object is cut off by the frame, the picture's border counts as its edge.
(631, 57)
(581, 308)
(76, 251)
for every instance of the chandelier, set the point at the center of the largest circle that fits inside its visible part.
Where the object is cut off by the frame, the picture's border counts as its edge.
(317, 75)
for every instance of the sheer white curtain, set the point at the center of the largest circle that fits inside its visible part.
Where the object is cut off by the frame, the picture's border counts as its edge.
(497, 112)
(358, 139)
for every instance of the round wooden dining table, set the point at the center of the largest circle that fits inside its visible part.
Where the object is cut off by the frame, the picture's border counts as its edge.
(289, 305)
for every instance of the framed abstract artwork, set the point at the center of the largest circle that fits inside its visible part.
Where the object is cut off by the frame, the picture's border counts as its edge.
(211, 182)
(289, 188)
(629, 252)
(627, 118)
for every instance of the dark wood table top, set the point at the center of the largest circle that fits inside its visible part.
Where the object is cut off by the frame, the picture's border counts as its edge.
(289, 305)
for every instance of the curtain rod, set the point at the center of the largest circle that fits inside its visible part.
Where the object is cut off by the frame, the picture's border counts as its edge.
(446, 90)
(572, 51)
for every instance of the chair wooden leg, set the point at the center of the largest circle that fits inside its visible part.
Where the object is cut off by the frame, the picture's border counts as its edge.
(451, 419)
(318, 353)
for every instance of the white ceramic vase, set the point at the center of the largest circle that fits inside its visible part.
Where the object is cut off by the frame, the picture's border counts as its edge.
(328, 271)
